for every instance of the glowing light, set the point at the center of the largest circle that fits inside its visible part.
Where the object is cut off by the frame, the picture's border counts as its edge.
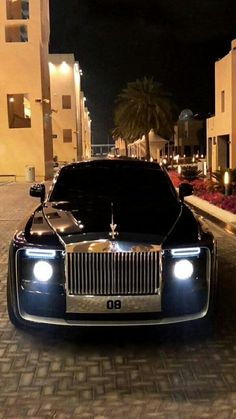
(52, 67)
(186, 251)
(226, 178)
(176, 158)
(43, 271)
(179, 169)
(40, 253)
(11, 99)
(64, 67)
(183, 269)
(77, 67)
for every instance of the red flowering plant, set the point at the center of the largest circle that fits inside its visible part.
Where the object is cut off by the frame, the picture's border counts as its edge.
(207, 190)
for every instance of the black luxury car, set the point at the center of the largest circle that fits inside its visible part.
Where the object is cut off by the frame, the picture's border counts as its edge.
(112, 244)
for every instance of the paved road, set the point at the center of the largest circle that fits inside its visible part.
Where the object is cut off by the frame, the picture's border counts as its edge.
(167, 373)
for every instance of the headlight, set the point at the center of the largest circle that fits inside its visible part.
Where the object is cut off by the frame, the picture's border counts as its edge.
(183, 269)
(43, 271)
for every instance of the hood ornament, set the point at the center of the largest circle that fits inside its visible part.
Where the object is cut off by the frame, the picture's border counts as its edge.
(113, 233)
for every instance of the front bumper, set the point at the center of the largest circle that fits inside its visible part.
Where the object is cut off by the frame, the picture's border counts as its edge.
(175, 302)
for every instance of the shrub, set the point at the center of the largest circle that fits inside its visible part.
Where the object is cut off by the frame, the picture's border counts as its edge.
(190, 173)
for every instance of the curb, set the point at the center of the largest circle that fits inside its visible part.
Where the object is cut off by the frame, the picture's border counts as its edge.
(228, 226)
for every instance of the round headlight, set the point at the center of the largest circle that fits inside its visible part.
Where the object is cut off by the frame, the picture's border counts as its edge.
(183, 269)
(42, 271)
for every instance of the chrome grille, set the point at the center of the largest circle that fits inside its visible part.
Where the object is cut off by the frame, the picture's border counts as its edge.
(113, 273)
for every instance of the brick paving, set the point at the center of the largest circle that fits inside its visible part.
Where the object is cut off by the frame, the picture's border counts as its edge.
(175, 372)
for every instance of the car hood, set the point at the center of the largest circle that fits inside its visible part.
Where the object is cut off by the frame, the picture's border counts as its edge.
(112, 221)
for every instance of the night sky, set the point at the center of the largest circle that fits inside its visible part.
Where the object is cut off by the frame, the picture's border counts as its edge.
(117, 41)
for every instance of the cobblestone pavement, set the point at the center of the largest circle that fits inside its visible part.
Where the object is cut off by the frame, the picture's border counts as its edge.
(168, 373)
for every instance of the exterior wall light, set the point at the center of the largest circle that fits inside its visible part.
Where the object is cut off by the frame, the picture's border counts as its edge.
(64, 67)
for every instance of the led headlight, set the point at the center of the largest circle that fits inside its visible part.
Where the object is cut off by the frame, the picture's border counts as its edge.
(183, 269)
(43, 271)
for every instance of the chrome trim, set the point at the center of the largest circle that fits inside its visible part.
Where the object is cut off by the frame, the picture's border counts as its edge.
(109, 246)
(113, 233)
(107, 323)
(98, 304)
(121, 273)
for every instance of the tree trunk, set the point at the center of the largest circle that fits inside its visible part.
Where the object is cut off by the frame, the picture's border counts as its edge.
(126, 147)
(147, 147)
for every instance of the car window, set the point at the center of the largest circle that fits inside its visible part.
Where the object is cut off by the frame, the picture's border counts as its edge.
(126, 184)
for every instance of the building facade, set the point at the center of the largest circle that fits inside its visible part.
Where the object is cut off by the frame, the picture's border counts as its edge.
(189, 135)
(65, 83)
(85, 129)
(221, 128)
(26, 149)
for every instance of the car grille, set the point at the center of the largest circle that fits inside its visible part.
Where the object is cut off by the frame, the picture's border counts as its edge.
(113, 273)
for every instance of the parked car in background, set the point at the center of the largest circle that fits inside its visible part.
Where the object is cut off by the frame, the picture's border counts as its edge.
(111, 244)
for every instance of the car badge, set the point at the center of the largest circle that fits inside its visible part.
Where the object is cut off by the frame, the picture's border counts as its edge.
(113, 233)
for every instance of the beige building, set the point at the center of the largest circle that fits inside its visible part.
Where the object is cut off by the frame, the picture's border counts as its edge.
(189, 135)
(85, 128)
(221, 128)
(25, 130)
(137, 148)
(67, 114)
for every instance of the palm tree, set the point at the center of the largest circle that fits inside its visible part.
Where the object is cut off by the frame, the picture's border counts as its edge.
(118, 134)
(144, 105)
(123, 133)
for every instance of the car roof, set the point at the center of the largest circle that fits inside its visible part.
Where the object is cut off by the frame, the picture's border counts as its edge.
(112, 162)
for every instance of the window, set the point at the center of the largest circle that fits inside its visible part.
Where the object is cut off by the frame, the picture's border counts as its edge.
(67, 135)
(16, 33)
(17, 9)
(66, 101)
(222, 101)
(19, 111)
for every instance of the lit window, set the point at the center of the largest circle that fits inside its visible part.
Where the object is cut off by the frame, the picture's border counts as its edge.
(66, 101)
(19, 110)
(16, 33)
(17, 9)
(67, 135)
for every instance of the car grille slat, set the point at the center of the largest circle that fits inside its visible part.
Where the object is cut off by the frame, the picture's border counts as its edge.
(118, 273)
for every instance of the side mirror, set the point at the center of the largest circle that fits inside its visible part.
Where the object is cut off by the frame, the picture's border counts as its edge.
(38, 190)
(185, 189)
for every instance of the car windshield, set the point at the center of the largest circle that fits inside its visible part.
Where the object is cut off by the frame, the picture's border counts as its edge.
(123, 183)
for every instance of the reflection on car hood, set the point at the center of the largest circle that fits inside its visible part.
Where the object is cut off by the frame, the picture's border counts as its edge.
(108, 221)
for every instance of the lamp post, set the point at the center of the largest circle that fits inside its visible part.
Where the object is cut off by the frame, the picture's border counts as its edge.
(226, 182)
